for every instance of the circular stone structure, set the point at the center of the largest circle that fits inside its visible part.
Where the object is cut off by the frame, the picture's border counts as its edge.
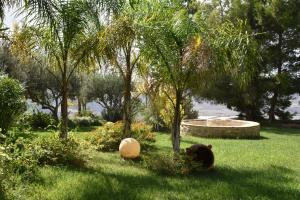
(220, 128)
(129, 148)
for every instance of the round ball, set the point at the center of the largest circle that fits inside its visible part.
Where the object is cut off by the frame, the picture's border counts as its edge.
(129, 148)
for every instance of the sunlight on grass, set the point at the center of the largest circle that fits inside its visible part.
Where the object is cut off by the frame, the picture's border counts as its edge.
(267, 168)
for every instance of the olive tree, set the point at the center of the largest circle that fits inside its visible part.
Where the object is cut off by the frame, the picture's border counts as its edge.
(106, 90)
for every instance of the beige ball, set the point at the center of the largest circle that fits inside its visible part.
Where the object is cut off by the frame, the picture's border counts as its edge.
(129, 148)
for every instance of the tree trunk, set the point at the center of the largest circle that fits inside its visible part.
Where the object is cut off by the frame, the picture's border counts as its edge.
(84, 105)
(64, 105)
(127, 106)
(176, 123)
(273, 106)
(274, 99)
(79, 105)
(55, 115)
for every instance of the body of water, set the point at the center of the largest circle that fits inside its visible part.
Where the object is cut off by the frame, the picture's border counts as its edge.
(205, 109)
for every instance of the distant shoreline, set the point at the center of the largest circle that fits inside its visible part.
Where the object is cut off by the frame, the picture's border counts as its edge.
(205, 109)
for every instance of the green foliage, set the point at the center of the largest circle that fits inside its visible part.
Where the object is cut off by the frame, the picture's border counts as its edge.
(37, 121)
(17, 165)
(189, 112)
(12, 102)
(3, 175)
(182, 47)
(42, 86)
(164, 164)
(85, 119)
(109, 137)
(18, 132)
(21, 160)
(21, 156)
(247, 100)
(53, 151)
(167, 164)
(107, 91)
(275, 30)
(238, 174)
(86, 113)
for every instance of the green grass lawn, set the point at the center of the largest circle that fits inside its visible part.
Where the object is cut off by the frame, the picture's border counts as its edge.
(268, 168)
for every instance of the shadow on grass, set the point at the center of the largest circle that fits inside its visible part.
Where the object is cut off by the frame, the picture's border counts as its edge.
(281, 131)
(222, 183)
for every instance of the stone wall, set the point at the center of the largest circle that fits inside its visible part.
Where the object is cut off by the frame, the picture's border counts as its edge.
(217, 129)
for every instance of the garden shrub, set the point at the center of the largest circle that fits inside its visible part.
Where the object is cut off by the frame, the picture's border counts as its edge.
(3, 158)
(86, 113)
(163, 164)
(21, 160)
(112, 114)
(37, 121)
(16, 164)
(22, 156)
(168, 164)
(15, 133)
(54, 151)
(85, 119)
(109, 137)
(12, 102)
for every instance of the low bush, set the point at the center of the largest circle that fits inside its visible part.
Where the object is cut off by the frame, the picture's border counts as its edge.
(21, 156)
(112, 114)
(26, 154)
(54, 151)
(109, 137)
(3, 158)
(168, 164)
(12, 102)
(15, 162)
(37, 121)
(86, 113)
(85, 119)
(21, 160)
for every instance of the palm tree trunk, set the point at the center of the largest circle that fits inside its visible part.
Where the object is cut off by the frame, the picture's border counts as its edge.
(176, 123)
(64, 105)
(127, 106)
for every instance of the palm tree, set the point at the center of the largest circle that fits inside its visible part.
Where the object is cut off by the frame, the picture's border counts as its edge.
(114, 39)
(119, 46)
(62, 26)
(181, 47)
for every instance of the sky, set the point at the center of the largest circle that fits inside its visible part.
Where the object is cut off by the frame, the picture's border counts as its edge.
(11, 17)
